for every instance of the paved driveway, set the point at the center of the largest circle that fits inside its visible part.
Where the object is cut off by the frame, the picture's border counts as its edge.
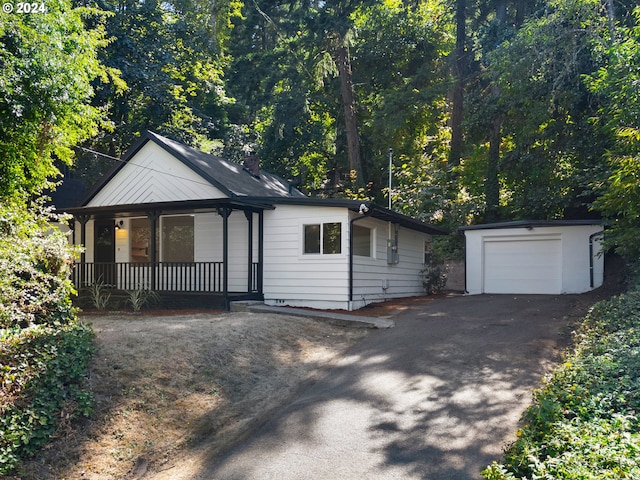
(437, 397)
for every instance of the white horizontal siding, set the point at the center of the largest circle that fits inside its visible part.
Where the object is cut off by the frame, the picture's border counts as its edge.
(293, 278)
(371, 274)
(154, 175)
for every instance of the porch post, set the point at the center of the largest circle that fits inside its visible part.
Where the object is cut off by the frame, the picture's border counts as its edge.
(249, 215)
(83, 219)
(260, 250)
(153, 218)
(224, 212)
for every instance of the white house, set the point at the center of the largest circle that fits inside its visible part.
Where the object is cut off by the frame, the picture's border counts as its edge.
(197, 228)
(534, 257)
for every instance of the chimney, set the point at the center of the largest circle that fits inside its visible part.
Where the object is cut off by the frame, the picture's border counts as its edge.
(252, 164)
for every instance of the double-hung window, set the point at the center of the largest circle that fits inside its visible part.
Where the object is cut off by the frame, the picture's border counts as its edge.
(323, 238)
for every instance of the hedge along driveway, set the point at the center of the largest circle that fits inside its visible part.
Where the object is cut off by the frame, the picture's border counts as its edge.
(436, 397)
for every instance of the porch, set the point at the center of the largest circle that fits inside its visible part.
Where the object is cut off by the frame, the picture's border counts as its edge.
(177, 284)
(191, 254)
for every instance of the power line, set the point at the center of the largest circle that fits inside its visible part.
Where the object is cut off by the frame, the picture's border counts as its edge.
(206, 184)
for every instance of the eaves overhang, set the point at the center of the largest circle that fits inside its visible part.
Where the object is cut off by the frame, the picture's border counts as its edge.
(530, 224)
(185, 206)
(361, 207)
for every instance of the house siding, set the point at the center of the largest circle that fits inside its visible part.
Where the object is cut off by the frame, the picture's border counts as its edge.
(322, 281)
(376, 280)
(295, 279)
(154, 175)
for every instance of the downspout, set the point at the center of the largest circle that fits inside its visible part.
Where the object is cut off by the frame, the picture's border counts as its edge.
(364, 210)
(466, 291)
(591, 239)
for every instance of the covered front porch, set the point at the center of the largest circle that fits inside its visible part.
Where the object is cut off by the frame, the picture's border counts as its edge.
(191, 254)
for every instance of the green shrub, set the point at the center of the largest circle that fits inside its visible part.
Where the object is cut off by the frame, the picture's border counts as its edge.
(43, 372)
(44, 351)
(35, 261)
(583, 423)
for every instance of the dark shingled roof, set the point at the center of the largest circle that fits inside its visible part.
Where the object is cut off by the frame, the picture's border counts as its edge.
(231, 178)
(242, 187)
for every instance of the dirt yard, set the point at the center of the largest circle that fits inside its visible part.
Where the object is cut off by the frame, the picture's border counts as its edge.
(165, 384)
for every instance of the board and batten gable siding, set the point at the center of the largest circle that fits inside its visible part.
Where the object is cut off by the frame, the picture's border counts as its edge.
(374, 279)
(540, 260)
(297, 279)
(154, 175)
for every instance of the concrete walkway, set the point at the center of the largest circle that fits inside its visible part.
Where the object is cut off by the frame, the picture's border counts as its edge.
(437, 397)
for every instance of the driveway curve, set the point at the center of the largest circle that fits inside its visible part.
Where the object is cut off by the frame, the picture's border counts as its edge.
(437, 397)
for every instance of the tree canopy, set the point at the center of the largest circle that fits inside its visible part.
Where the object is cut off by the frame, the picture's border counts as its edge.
(493, 109)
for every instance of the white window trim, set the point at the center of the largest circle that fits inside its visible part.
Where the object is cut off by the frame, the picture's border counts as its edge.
(320, 254)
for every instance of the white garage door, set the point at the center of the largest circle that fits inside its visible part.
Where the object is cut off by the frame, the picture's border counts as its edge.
(522, 266)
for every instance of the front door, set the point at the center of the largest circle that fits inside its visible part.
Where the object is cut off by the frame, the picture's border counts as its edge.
(104, 252)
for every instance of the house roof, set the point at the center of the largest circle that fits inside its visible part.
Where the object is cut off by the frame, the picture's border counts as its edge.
(231, 178)
(365, 208)
(244, 190)
(530, 224)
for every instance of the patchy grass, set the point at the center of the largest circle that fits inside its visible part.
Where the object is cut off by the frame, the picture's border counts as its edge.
(169, 387)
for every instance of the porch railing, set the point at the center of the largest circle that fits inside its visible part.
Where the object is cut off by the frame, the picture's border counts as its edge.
(204, 277)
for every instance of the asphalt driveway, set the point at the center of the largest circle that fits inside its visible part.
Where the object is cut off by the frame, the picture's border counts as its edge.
(437, 397)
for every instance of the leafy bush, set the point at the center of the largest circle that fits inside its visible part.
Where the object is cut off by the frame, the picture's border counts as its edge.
(35, 260)
(584, 423)
(44, 351)
(434, 275)
(42, 373)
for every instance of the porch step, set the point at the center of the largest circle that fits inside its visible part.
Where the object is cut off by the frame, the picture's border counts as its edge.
(336, 318)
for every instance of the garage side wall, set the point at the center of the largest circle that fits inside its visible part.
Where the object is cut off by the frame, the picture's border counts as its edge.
(538, 260)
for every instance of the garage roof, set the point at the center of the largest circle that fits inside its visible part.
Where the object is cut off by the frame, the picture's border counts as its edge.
(530, 224)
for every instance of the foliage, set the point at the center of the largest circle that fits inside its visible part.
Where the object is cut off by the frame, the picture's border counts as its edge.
(140, 297)
(48, 63)
(618, 82)
(35, 261)
(100, 295)
(550, 151)
(434, 275)
(43, 350)
(42, 375)
(584, 421)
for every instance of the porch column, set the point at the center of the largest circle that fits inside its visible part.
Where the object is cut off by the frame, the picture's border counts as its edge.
(224, 212)
(83, 219)
(260, 250)
(153, 253)
(249, 215)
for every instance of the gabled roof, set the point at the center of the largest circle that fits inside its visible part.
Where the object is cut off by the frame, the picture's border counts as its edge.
(229, 177)
(243, 189)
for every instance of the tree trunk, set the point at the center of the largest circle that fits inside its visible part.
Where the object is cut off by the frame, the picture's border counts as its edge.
(457, 97)
(492, 185)
(343, 62)
(612, 18)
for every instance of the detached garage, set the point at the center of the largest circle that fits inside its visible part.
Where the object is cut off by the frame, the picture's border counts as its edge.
(534, 257)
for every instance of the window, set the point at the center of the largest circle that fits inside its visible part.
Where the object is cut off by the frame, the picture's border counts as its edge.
(361, 241)
(427, 252)
(177, 238)
(325, 238)
(140, 239)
